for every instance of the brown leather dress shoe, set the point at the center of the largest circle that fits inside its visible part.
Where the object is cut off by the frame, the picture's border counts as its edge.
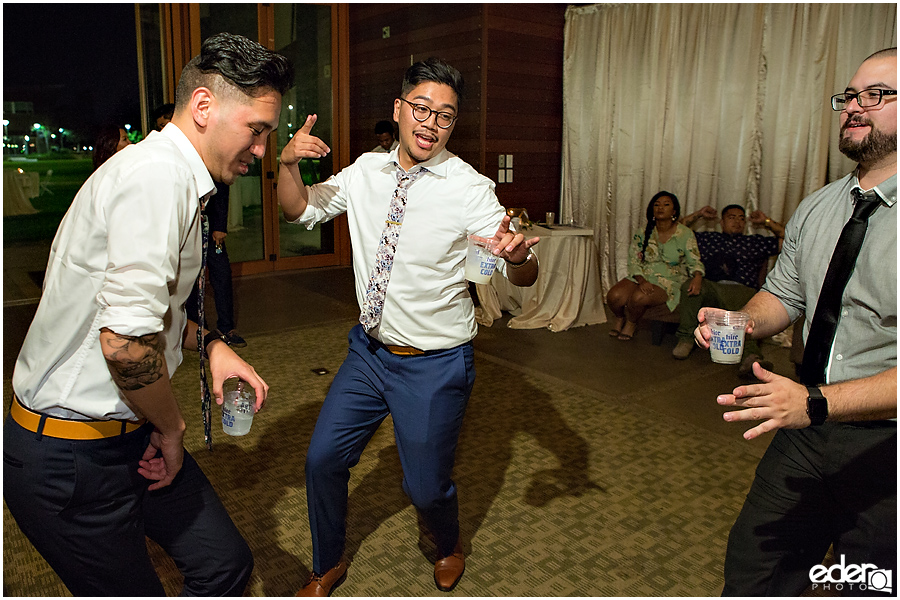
(449, 570)
(323, 585)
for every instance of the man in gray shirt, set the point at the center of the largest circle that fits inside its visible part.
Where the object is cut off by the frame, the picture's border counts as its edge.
(830, 474)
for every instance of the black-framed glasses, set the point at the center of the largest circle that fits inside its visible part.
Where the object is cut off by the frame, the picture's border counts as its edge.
(422, 113)
(865, 99)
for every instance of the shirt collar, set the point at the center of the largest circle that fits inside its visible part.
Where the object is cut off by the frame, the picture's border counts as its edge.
(206, 187)
(436, 165)
(886, 190)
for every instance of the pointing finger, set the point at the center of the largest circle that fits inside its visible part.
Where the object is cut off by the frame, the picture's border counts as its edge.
(308, 125)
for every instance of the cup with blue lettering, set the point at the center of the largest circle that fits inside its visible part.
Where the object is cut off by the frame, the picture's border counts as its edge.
(480, 259)
(726, 346)
(239, 401)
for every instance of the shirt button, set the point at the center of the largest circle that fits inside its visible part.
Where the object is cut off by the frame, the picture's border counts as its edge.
(845, 313)
(839, 357)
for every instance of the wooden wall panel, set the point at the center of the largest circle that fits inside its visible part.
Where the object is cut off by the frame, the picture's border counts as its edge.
(524, 102)
(511, 58)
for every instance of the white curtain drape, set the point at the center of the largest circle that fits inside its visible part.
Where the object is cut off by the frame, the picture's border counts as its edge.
(716, 103)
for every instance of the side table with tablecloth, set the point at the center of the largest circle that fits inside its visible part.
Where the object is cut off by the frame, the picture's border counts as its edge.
(19, 187)
(567, 291)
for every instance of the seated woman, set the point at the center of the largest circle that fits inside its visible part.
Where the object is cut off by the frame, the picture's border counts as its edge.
(659, 261)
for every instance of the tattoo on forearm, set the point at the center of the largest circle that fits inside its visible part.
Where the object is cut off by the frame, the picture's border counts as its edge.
(135, 362)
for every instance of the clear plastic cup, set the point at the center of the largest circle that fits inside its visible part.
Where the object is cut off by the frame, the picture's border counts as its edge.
(239, 402)
(480, 262)
(726, 346)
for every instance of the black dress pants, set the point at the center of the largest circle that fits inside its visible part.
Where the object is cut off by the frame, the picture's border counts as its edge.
(88, 512)
(218, 266)
(832, 484)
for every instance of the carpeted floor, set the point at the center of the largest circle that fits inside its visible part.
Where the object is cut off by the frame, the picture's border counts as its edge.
(564, 491)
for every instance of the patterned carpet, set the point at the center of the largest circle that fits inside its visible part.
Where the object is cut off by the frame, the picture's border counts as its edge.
(563, 491)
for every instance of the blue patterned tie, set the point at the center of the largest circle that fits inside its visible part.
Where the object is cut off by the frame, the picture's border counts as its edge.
(205, 400)
(373, 305)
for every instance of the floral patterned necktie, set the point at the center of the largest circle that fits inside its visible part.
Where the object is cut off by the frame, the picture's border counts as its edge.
(373, 305)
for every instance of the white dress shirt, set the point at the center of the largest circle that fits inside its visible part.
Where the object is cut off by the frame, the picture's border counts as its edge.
(427, 304)
(126, 257)
(380, 148)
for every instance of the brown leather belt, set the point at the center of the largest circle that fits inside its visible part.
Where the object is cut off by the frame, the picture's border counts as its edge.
(67, 429)
(404, 350)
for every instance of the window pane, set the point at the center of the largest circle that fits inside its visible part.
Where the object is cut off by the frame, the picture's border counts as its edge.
(245, 214)
(303, 34)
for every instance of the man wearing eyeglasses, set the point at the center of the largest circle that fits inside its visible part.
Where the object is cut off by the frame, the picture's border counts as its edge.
(411, 355)
(829, 476)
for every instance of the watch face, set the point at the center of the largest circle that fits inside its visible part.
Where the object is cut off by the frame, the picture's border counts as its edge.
(816, 406)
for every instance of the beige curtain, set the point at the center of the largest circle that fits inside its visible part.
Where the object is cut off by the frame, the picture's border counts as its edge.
(716, 103)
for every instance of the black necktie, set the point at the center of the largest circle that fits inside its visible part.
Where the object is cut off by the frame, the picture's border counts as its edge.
(824, 323)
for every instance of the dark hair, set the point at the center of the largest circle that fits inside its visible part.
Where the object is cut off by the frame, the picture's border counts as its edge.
(883, 53)
(166, 110)
(241, 62)
(384, 127)
(730, 206)
(436, 70)
(651, 221)
(105, 144)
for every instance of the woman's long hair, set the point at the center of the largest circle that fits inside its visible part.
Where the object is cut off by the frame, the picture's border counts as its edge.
(651, 220)
(106, 144)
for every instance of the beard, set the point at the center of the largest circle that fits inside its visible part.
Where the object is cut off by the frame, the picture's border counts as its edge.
(872, 148)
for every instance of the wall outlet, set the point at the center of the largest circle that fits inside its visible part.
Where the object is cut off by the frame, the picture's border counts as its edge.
(385, 33)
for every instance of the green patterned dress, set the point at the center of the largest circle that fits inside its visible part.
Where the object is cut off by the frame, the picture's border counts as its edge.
(668, 265)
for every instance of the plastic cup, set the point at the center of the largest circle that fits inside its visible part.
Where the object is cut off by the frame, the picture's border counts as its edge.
(551, 218)
(480, 262)
(726, 346)
(237, 407)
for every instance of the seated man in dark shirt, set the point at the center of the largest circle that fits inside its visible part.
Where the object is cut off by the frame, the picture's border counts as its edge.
(733, 262)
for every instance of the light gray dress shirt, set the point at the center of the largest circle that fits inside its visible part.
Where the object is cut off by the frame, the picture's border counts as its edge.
(865, 342)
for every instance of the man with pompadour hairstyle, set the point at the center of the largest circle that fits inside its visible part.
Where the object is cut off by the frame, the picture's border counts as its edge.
(94, 460)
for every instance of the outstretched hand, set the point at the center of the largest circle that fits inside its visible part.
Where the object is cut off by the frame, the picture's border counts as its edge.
(777, 401)
(304, 145)
(510, 245)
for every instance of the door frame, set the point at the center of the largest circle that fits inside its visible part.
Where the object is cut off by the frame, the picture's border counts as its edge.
(180, 25)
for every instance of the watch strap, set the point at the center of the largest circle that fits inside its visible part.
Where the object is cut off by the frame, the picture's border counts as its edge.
(816, 405)
(209, 338)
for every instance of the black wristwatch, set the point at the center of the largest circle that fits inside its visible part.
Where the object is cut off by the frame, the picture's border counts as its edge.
(816, 405)
(209, 338)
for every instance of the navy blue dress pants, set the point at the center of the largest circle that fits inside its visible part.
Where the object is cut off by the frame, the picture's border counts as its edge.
(88, 512)
(814, 487)
(426, 395)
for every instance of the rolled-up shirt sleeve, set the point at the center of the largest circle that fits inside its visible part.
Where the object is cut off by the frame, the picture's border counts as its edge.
(783, 281)
(326, 200)
(143, 248)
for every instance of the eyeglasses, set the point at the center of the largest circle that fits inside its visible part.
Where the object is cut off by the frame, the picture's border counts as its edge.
(422, 113)
(865, 98)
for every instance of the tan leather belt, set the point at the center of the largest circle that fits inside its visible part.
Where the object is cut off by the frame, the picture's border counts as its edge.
(404, 350)
(68, 429)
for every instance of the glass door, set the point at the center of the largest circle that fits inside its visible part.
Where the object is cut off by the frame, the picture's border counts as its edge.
(259, 238)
